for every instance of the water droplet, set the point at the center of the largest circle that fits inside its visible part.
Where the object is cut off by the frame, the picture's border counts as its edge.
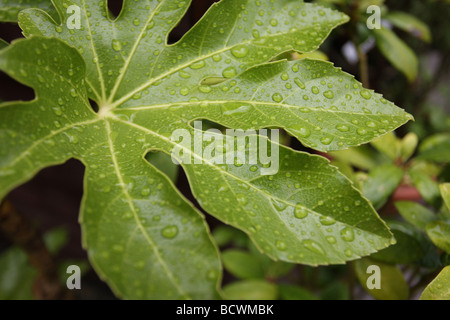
(59, 29)
(327, 221)
(326, 140)
(302, 132)
(57, 111)
(284, 76)
(300, 212)
(299, 83)
(229, 72)
(313, 246)
(184, 91)
(366, 94)
(136, 22)
(241, 199)
(371, 124)
(342, 128)
(315, 90)
(361, 131)
(145, 192)
(170, 232)
(281, 245)
(347, 234)
(328, 94)
(212, 274)
(116, 45)
(331, 239)
(205, 89)
(274, 22)
(277, 97)
(239, 52)
(197, 65)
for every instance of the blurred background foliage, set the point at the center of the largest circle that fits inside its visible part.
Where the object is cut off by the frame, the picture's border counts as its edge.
(404, 174)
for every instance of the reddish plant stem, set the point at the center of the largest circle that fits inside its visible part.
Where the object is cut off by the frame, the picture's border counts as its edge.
(22, 233)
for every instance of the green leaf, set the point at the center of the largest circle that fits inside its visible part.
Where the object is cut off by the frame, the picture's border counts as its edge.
(224, 235)
(302, 104)
(397, 52)
(428, 188)
(271, 269)
(163, 162)
(250, 290)
(388, 144)
(3, 44)
(409, 145)
(445, 192)
(242, 264)
(439, 288)
(143, 237)
(10, 9)
(435, 148)
(335, 291)
(392, 283)
(291, 292)
(16, 273)
(362, 157)
(415, 213)
(439, 233)
(407, 249)
(118, 196)
(410, 23)
(381, 183)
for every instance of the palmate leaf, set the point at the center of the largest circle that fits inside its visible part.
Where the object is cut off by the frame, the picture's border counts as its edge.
(142, 236)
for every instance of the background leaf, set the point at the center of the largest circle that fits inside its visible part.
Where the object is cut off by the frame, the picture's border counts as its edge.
(397, 52)
(439, 288)
(250, 290)
(393, 284)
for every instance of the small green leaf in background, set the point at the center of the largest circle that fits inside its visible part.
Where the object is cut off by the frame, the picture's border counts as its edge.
(408, 145)
(445, 192)
(361, 157)
(316, 55)
(225, 235)
(428, 188)
(415, 213)
(411, 24)
(250, 290)
(381, 183)
(435, 148)
(3, 44)
(393, 285)
(397, 52)
(388, 144)
(17, 275)
(292, 292)
(164, 163)
(439, 233)
(407, 249)
(335, 291)
(439, 288)
(242, 264)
